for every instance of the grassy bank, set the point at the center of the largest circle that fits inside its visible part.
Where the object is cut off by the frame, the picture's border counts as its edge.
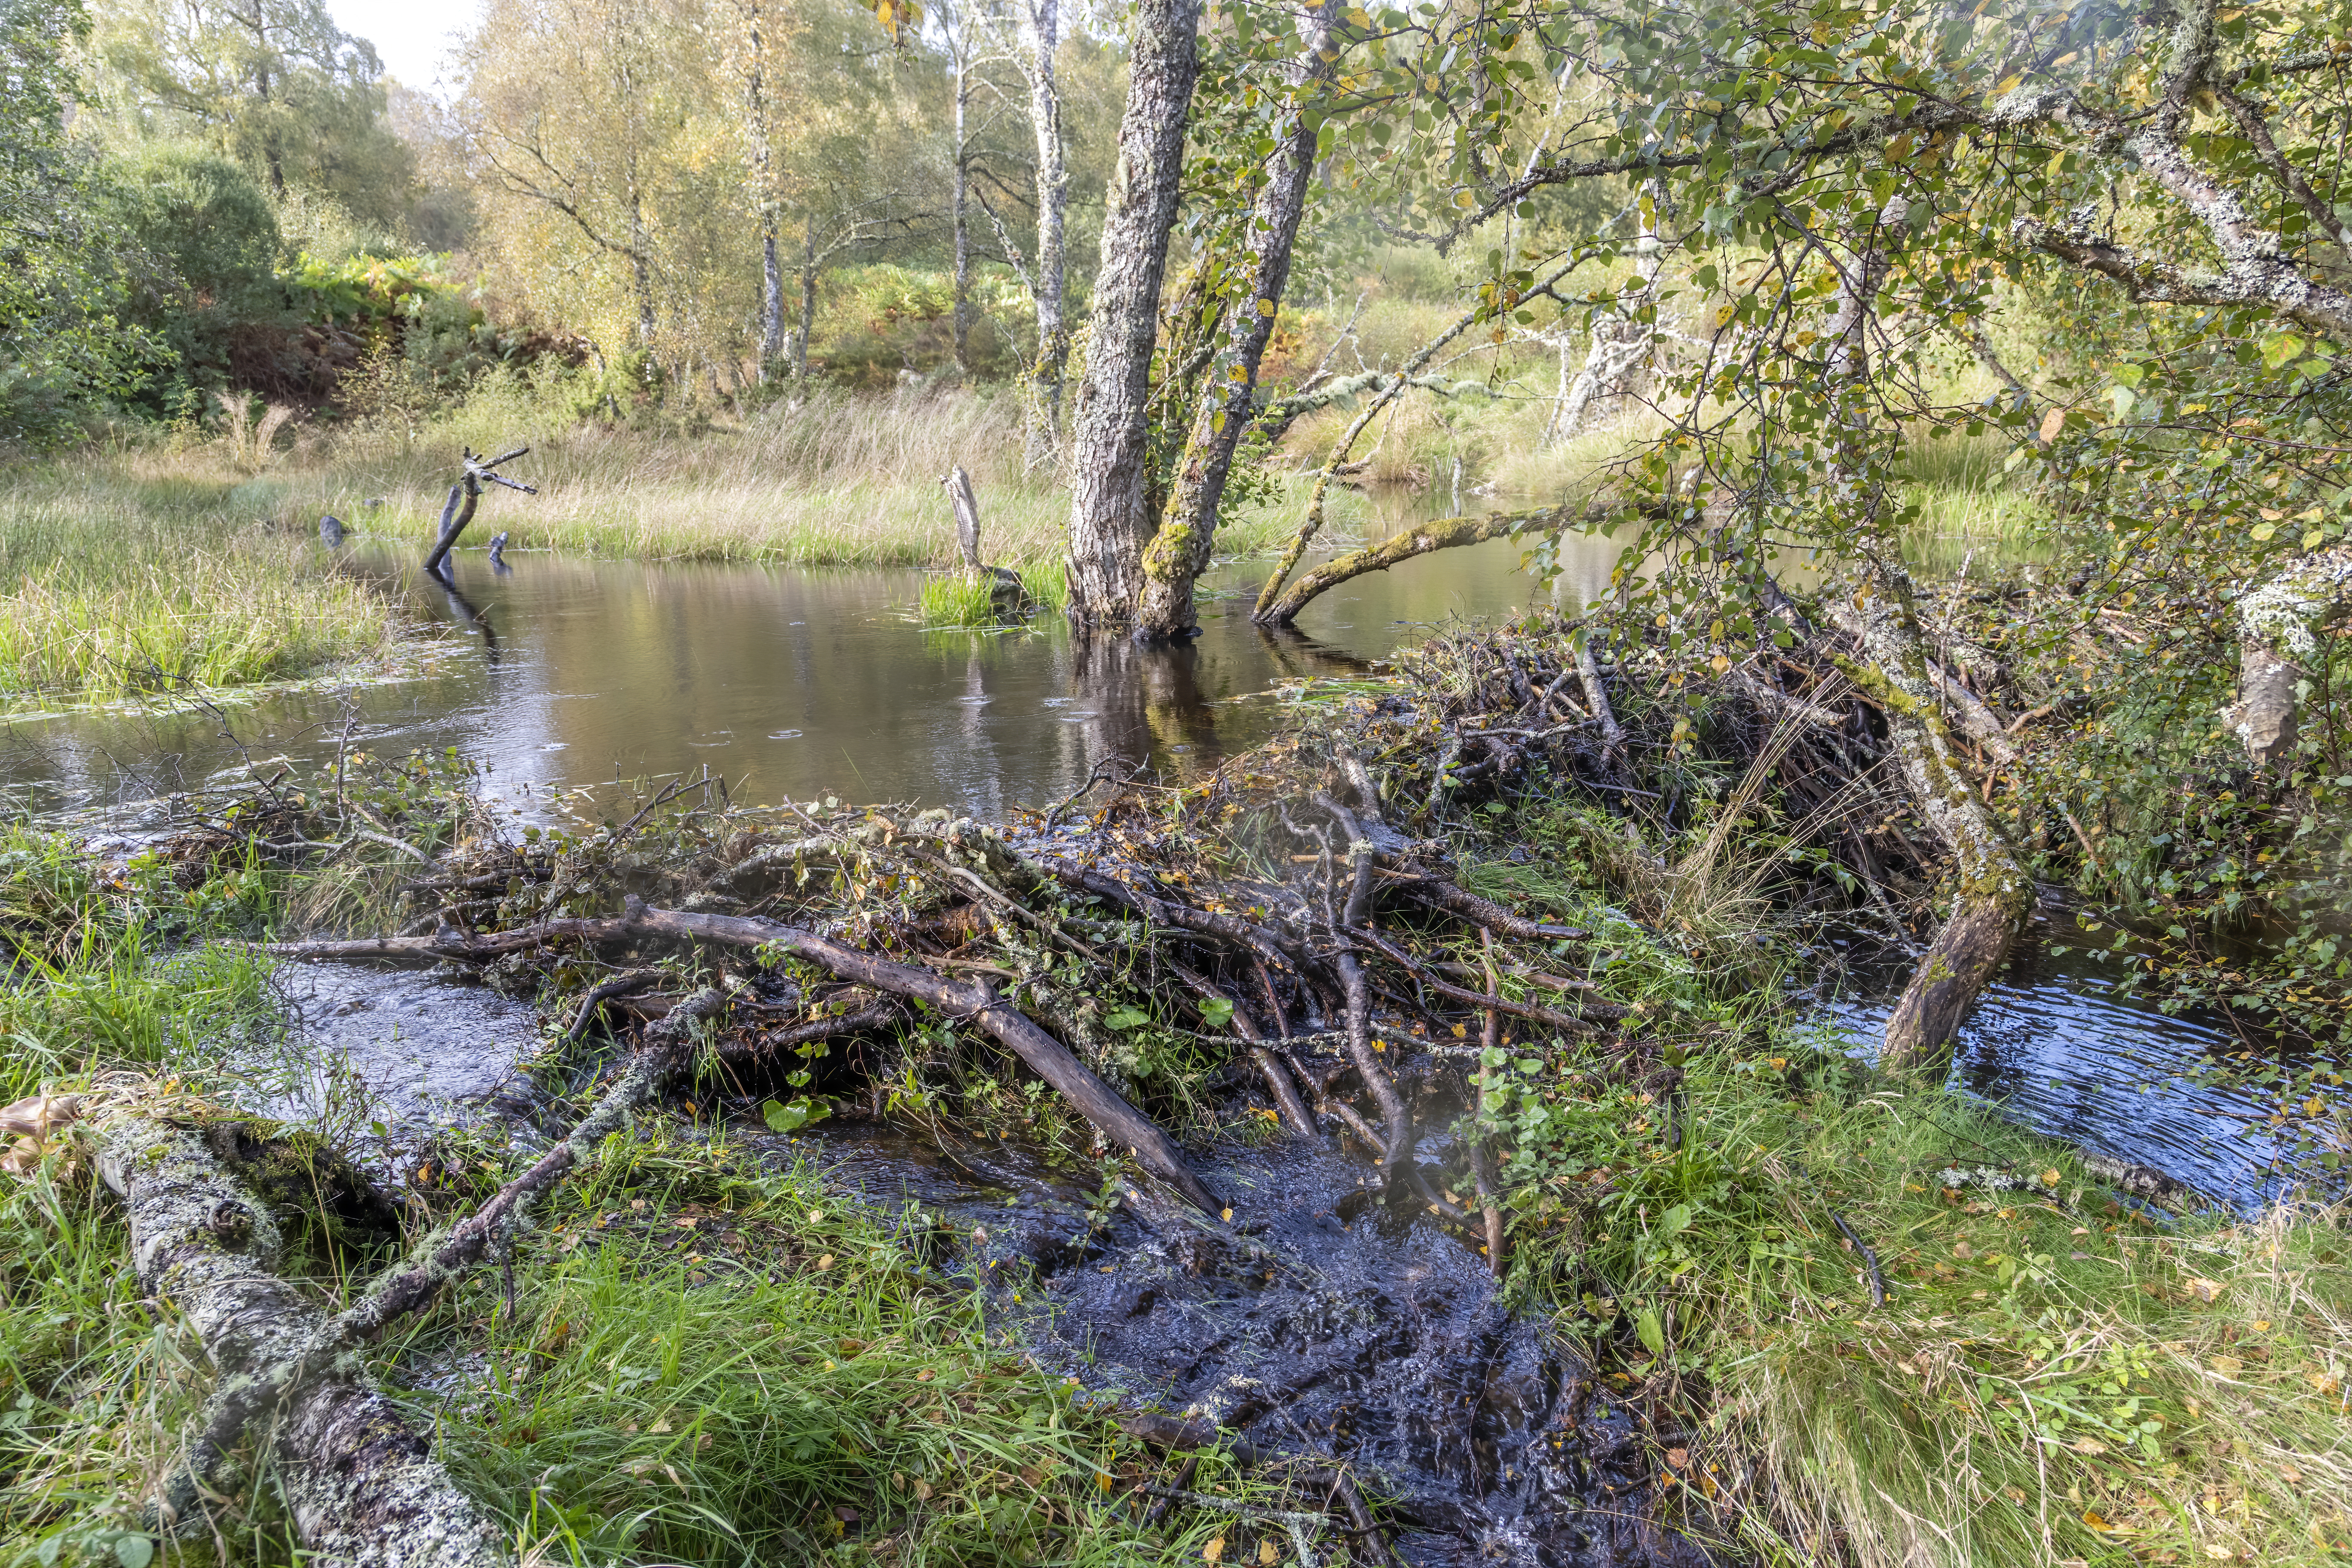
(707, 1356)
(152, 573)
(2054, 1375)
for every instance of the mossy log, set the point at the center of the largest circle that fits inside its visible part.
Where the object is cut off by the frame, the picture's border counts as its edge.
(1991, 892)
(1446, 533)
(358, 1477)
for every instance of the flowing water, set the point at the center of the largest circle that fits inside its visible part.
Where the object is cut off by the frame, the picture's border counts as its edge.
(2058, 1046)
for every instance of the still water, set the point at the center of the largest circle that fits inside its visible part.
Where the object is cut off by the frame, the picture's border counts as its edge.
(789, 683)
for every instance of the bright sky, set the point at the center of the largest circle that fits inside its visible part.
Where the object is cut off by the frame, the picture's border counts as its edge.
(412, 36)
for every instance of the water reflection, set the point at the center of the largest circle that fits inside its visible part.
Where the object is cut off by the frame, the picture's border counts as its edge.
(791, 684)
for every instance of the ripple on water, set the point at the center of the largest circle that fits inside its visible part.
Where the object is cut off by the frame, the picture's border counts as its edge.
(1321, 1323)
(2058, 1049)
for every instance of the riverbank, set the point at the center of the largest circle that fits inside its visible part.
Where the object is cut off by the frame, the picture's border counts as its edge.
(1849, 1316)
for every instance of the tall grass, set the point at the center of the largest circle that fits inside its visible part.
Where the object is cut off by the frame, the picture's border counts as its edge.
(148, 572)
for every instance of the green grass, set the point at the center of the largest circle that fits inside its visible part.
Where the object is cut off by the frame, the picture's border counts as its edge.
(957, 599)
(2056, 1377)
(154, 572)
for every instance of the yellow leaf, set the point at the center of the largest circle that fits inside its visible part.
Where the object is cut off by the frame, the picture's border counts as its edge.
(2089, 1445)
(1465, 201)
(2226, 1365)
(1225, 1215)
(1214, 1551)
(1266, 1554)
(825, 1263)
(2052, 423)
(2050, 1178)
(2006, 85)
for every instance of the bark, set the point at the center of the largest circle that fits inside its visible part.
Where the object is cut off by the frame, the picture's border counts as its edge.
(975, 1002)
(1180, 551)
(1991, 892)
(763, 192)
(1041, 439)
(808, 301)
(359, 1478)
(1450, 533)
(959, 203)
(1386, 391)
(2274, 636)
(1109, 522)
(2255, 268)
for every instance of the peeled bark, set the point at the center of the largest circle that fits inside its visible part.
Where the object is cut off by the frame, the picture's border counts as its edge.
(1180, 551)
(2274, 634)
(1109, 522)
(360, 1480)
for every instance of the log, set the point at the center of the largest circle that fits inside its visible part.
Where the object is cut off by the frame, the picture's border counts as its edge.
(358, 1476)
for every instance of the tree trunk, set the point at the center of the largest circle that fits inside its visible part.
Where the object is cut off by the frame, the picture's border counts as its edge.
(1621, 340)
(1992, 893)
(1108, 523)
(1042, 440)
(1427, 539)
(959, 178)
(808, 302)
(1180, 551)
(771, 279)
(2274, 636)
(360, 1480)
(763, 193)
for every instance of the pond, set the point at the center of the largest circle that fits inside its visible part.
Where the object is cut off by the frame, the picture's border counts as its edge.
(791, 684)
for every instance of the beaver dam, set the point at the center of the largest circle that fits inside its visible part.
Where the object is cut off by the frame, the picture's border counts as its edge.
(1418, 1140)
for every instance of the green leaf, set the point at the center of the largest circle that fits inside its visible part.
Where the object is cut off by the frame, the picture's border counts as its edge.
(1216, 1012)
(133, 1550)
(1673, 1219)
(1653, 1335)
(1126, 1018)
(782, 1118)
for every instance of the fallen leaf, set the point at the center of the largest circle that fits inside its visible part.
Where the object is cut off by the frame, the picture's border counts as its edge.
(36, 1116)
(2095, 1523)
(1963, 1250)
(1678, 1458)
(2089, 1445)
(2226, 1364)
(1266, 1554)
(1214, 1551)
(2050, 1177)
(2203, 1289)
(825, 1263)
